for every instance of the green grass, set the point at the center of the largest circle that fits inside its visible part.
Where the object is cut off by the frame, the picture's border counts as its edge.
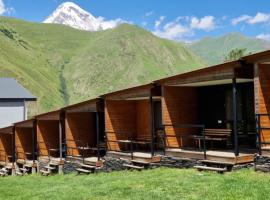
(61, 65)
(151, 184)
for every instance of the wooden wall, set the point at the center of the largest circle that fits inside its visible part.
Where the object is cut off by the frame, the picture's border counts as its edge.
(80, 126)
(47, 131)
(23, 141)
(143, 118)
(262, 97)
(179, 106)
(125, 116)
(5, 146)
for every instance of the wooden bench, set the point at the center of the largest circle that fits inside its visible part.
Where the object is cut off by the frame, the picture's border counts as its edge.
(214, 135)
(143, 139)
(217, 134)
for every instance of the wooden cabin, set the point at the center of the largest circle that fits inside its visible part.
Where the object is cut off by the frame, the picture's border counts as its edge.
(84, 132)
(7, 150)
(50, 136)
(26, 144)
(211, 113)
(132, 122)
(261, 65)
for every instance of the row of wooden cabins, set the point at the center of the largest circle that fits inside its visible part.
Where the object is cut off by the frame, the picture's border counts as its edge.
(218, 114)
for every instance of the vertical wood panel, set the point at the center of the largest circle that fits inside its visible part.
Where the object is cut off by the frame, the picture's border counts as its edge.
(80, 131)
(47, 131)
(179, 106)
(143, 118)
(262, 97)
(120, 116)
(23, 141)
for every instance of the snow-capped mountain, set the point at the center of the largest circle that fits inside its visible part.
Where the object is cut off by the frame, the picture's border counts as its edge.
(70, 14)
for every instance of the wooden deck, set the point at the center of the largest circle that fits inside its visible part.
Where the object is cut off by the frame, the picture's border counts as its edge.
(266, 151)
(141, 156)
(88, 161)
(222, 156)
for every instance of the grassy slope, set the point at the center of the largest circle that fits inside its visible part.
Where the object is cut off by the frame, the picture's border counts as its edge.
(62, 65)
(213, 50)
(124, 57)
(151, 184)
(20, 58)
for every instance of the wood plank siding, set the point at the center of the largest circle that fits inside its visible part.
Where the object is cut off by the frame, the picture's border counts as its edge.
(47, 136)
(179, 106)
(80, 128)
(6, 147)
(23, 141)
(262, 97)
(125, 119)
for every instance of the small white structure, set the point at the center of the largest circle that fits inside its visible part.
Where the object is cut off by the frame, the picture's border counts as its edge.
(12, 102)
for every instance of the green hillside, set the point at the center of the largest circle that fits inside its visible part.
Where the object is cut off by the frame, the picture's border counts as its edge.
(214, 49)
(61, 65)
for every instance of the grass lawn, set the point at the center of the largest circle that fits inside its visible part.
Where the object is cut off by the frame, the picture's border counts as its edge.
(155, 184)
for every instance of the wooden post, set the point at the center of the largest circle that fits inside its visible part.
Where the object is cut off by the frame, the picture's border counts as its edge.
(97, 132)
(235, 131)
(152, 124)
(13, 171)
(33, 148)
(60, 167)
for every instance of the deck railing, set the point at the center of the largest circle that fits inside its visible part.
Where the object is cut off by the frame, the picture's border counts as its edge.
(259, 129)
(198, 135)
(130, 141)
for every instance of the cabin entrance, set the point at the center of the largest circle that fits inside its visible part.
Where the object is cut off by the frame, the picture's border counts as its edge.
(210, 120)
(216, 112)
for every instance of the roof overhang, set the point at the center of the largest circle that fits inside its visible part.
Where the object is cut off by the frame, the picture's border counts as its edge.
(214, 73)
(215, 82)
(93, 105)
(25, 124)
(139, 93)
(54, 115)
(7, 130)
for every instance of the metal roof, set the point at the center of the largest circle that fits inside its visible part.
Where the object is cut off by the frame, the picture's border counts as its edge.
(11, 89)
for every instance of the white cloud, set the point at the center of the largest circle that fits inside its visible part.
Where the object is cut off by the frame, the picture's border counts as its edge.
(242, 18)
(263, 36)
(173, 31)
(111, 23)
(206, 23)
(258, 18)
(159, 21)
(183, 27)
(2, 7)
(148, 14)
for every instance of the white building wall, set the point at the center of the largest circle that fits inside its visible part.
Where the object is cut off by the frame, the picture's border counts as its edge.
(11, 112)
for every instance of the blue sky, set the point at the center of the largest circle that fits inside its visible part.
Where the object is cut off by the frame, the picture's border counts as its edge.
(184, 20)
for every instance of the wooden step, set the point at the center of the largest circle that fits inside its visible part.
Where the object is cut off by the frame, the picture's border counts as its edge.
(44, 172)
(24, 170)
(54, 164)
(49, 167)
(133, 167)
(217, 169)
(28, 165)
(80, 170)
(19, 173)
(140, 162)
(216, 162)
(88, 166)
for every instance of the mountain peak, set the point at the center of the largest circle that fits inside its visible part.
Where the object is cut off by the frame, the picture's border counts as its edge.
(70, 14)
